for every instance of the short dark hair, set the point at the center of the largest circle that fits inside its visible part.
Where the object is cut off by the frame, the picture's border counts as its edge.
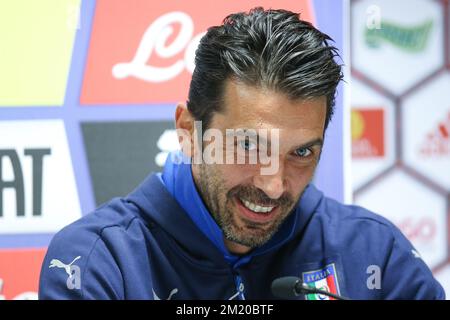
(273, 49)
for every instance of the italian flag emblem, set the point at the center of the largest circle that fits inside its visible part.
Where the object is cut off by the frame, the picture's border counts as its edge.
(324, 279)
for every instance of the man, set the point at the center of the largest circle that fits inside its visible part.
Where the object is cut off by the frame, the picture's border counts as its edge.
(225, 229)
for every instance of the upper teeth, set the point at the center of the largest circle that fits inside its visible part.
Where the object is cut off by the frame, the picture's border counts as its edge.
(255, 207)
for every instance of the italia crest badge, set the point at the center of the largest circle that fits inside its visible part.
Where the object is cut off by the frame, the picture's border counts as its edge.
(324, 279)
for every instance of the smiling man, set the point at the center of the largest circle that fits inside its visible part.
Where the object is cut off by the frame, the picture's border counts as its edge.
(226, 229)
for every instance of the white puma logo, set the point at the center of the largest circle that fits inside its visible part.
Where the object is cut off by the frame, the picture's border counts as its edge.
(57, 263)
(155, 296)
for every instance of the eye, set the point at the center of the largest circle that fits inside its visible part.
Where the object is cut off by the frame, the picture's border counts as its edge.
(247, 145)
(303, 152)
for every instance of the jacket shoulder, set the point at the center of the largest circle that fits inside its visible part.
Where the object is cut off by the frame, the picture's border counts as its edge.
(79, 252)
(367, 237)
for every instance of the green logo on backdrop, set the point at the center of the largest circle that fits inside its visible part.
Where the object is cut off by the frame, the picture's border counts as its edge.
(412, 39)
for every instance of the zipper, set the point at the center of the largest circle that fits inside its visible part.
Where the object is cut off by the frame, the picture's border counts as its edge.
(239, 287)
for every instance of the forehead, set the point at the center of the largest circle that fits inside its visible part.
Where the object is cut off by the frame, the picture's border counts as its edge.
(255, 107)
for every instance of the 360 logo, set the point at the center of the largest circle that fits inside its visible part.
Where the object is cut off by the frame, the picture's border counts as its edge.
(422, 230)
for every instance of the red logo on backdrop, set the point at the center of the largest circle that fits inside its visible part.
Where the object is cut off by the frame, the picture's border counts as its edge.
(143, 51)
(367, 133)
(421, 230)
(437, 142)
(19, 273)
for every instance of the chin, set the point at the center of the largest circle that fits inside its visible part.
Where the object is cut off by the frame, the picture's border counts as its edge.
(250, 236)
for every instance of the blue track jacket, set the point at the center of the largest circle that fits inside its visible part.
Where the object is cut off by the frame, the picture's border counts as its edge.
(160, 242)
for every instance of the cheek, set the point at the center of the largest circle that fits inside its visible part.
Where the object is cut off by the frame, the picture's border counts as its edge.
(235, 174)
(298, 178)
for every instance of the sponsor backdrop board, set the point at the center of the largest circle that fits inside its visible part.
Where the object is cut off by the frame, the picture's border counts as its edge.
(400, 66)
(89, 90)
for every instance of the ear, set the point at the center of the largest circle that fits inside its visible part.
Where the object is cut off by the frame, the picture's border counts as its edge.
(184, 123)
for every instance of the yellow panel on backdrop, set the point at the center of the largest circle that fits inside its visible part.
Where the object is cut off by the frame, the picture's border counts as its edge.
(36, 39)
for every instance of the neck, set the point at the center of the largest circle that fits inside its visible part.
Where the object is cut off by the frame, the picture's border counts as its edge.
(236, 248)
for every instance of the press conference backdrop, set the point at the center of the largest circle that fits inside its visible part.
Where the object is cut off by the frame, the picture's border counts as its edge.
(400, 97)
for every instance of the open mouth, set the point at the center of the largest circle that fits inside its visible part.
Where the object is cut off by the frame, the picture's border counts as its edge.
(255, 212)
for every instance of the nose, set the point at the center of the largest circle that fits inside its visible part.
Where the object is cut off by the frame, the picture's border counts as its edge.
(273, 185)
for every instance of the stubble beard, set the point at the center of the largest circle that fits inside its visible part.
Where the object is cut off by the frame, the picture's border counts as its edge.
(221, 202)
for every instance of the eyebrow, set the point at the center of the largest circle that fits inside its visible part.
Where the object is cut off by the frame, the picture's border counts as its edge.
(309, 144)
(313, 143)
